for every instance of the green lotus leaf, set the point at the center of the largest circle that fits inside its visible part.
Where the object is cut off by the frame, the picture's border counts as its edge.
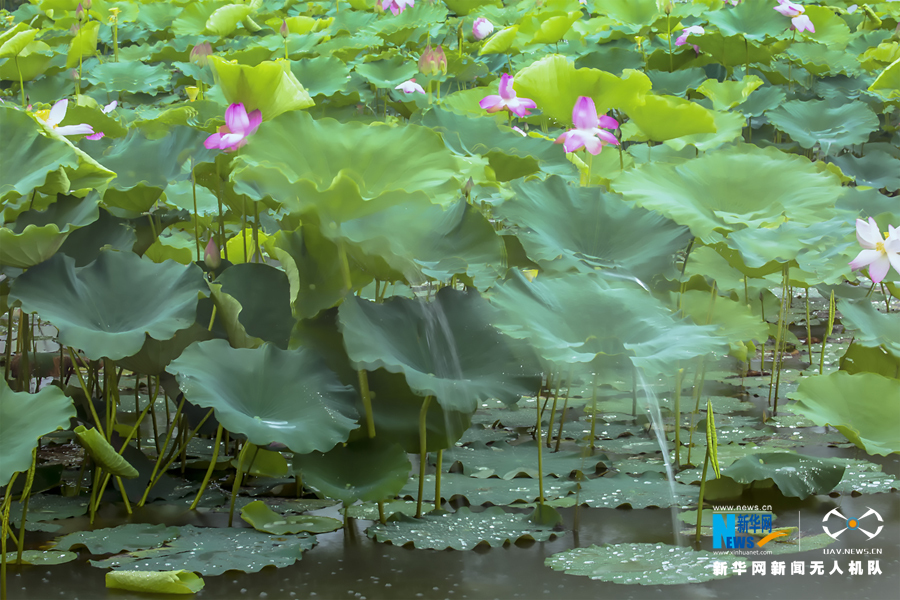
(648, 489)
(30, 63)
(87, 110)
(134, 77)
(733, 320)
(722, 192)
(84, 44)
(464, 7)
(103, 453)
(608, 232)
(192, 17)
(728, 94)
(42, 557)
(267, 394)
(876, 169)
(212, 551)
(447, 349)
(553, 29)
(870, 327)
(264, 519)
(500, 42)
(155, 582)
(14, 40)
(225, 19)
(768, 248)
(388, 73)
(887, 84)
(367, 470)
(107, 307)
(638, 14)
(860, 406)
(324, 75)
(644, 564)
(830, 28)
(31, 154)
(665, 117)
(37, 235)
(264, 463)
(765, 99)
(860, 358)
(676, 83)
(264, 295)
(269, 86)
(821, 60)
(555, 84)
(462, 530)
(580, 318)
(735, 50)
(833, 128)
(344, 170)
(508, 462)
(127, 538)
(499, 492)
(729, 127)
(24, 418)
(753, 19)
(108, 232)
(795, 475)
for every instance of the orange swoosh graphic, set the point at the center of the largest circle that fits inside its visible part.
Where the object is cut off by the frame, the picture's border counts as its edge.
(769, 538)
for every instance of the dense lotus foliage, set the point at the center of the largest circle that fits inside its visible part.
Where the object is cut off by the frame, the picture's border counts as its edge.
(286, 244)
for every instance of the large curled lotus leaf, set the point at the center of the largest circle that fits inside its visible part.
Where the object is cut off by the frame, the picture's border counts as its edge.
(553, 29)
(264, 463)
(366, 470)
(31, 63)
(643, 564)
(14, 40)
(37, 235)
(464, 7)
(821, 60)
(833, 128)
(863, 407)
(267, 394)
(192, 17)
(339, 169)
(764, 99)
(729, 127)
(795, 475)
(500, 42)
(830, 28)
(132, 77)
(124, 538)
(555, 85)
(106, 308)
(662, 118)
(269, 86)
(728, 94)
(155, 355)
(24, 418)
(722, 191)
(155, 582)
(887, 84)
(264, 295)
(446, 348)
(733, 320)
(262, 518)
(83, 45)
(869, 326)
(860, 358)
(103, 453)
(753, 19)
(32, 154)
(581, 318)
(324, 75)
(225, 19)
(389, 72)
(461, 530)
(876, 169)
(212, 551)
(768, 248)
(608, 233)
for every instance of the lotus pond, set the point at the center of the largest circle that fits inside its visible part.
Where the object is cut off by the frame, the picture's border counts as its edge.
(450, 299)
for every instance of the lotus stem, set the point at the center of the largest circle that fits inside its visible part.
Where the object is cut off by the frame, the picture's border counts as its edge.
(209, 471)
(367, 401)
(153, 410)
(699, 382)
(186, 438)
(776, 362)
(423, 453)
(678, 382)
(244, 227)
(345, 266)
(159, 457)
(669, 28)
(256, 231)
(562, 417)
(237, 480)
(121, 450)
(687, 255)
(21, 84)
(593, 411)
(541, 456)
(552, 413)
(700, 500)
(137, 405)
(87, 394)
(4, 533)
(9, 334)
(24, 363)
(437, 480)
(196, 216)
(633, 390)
(26, 495)
(808, 328)
(831, 311)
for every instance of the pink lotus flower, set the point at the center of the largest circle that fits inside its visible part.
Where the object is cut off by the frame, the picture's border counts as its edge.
(53, 117)
(482, 28)
(397, 6)
(587, 133)
(799, 21)
(238, 127)
(409, 87)
(507, 100)
(879, 254)
(105, 110)
(681, 40)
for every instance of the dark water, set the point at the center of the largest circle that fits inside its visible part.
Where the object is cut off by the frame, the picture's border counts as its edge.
(348, 565)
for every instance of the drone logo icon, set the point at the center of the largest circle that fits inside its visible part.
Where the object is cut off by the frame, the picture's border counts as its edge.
(852, 523)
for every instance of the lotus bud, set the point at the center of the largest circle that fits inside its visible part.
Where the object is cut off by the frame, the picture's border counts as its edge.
(469, 185)
(74, 74)
(192, 91)
(87, 4)
(199, 54)
(482, 28)
(440, 59)
(74, 29)
(427, 64)
(668, 8)
(79, 13)
(284, 31)
(211, 257)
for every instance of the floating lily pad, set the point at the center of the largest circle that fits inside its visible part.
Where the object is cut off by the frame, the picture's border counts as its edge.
(860, 476)
(369, 510)
(42, 557)
(155, 582)
(650, 489)
(210, 551)
(130, 537)
(489, 491)
(24, 418)
(264, 519)
(795, 475)
(506, 462)
(47, 507)
(644, 564)
(462, 530)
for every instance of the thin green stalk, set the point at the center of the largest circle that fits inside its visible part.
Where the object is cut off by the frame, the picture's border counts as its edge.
(552, 411)
(437, 480)
(687, 255)
(699, 382)
(4, 533)
(367, 401)
(9, 337)
(808, 329)
(209, 471)
(700, 500)
(159, 458)
(776, 360)
(541, 456)
(593, 412)
(423, 453)
(256, 231)
(26, 494)
(196, 215)
(678, 382)
(87, 394)
(21, 84)
(831, 315)
(237, 480)
(669, 28)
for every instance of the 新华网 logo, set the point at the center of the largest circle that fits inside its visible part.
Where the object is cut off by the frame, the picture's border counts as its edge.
(851, 524)
(742, 530)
